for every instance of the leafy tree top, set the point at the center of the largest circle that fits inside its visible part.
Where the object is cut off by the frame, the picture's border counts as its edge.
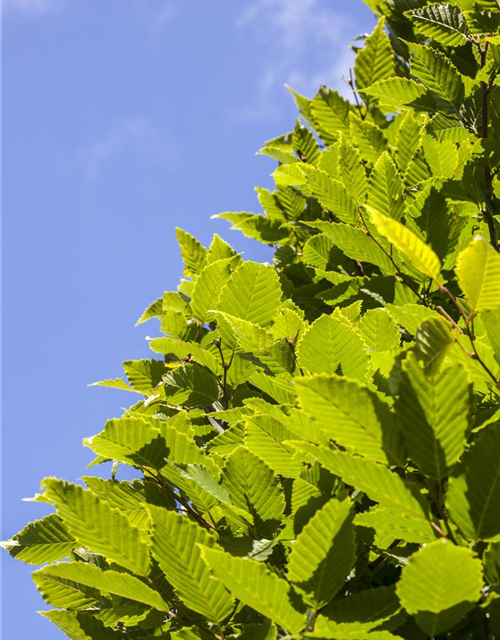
(318, 438)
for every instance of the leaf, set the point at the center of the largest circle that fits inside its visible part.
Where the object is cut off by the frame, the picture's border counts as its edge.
(356, 244)
(175, 541)
(253, 293)
(193, 254)
(375, 61)
(131, 440)
(378, 329)
(191, 385)
(304, 144)
(144, 375)
(444, 23)
(352, 171)
(207, 288)
(255, 586)
(329, 344)
(330, 193)
(433, 412)
(473, 497)
(438, 73)
(352, 415)
(45, 540)
(441, 156)
(264, 436)
(67, 576)
(385, 192)
(420, 256)
(254, 488)
(81, 626)
(432, 342)
(116, 383)
(369, 138)
(323, 554)
(378, 482)
(440, 584)
(478, 272)
(155, 310)
(99, 527)
(395, 91)
(331, 114)
(370, 606)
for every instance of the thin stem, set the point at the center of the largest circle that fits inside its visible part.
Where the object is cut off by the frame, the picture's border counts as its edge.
(225, 368)
(290, 343)
(475, 355)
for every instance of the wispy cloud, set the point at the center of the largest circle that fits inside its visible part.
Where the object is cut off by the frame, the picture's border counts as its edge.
(32, 7)
(305, 43)
(126, 137)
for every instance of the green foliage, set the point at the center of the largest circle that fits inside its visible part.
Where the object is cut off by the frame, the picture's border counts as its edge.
(318, 438)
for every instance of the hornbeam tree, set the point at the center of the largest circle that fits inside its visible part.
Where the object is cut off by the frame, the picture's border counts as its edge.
(319, 438)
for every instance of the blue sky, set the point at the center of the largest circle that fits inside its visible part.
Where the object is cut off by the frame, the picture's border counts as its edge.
(123, 119)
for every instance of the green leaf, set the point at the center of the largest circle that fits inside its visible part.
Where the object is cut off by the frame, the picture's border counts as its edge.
(207, 288)
(253, 293)
(438, 73)
(264, 436)
(378, 482)
(352, 171)
(45, 540)
(304, 144)
(323, 554)
(375, 61)
(356, 244)
(395, 91)
(420, 256)
(352, 415)
(99, 527)
(372, 606)
(254, 488)
(331, 114)
(433, 412)
(131, 440)
(255, 226)
(432, 342)
(144, 375)
(478, 271)
(193, 254)
(175, 541)
(81, 626)
(369, 138)
(473, 498)
(56, 582)
(155, 310)
(116, 383)
(378, 329)
(444, 23)
(330, 193)
(254, 585)
(440, 585)
(441, 156)
(330, 343)
(191, 385)
(385, 192)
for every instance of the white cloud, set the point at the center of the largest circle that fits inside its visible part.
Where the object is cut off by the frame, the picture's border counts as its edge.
(157, 14)
(129, 136)
(306, 43)
(32, 7)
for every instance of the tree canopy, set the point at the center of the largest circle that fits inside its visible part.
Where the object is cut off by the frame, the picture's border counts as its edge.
(318, 438)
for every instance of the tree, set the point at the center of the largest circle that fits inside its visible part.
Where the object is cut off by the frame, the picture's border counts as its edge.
(318, 439)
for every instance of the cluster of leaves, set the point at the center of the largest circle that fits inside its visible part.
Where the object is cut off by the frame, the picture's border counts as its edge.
(318, 439)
